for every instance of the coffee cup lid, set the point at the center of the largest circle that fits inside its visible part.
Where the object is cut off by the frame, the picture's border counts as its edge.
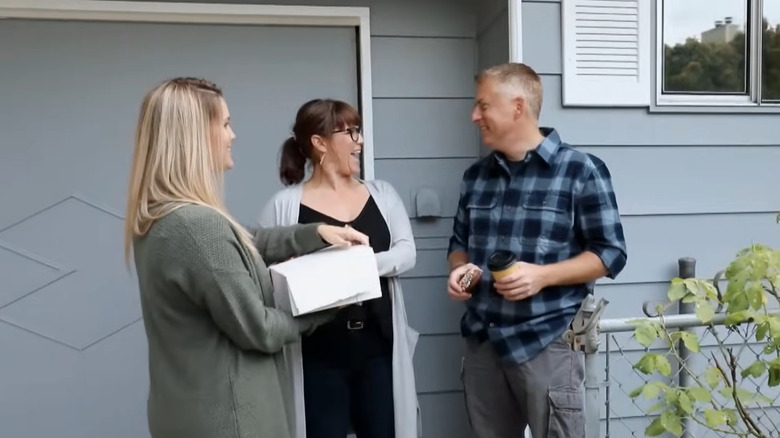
(501, 260)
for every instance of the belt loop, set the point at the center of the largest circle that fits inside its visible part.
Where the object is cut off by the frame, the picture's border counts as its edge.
(355, 324)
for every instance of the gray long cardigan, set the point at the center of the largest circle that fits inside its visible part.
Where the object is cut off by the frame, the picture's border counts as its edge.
(282, 210)
(215, 339)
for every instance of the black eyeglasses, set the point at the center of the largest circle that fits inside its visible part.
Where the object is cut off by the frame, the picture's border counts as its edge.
(354, 133)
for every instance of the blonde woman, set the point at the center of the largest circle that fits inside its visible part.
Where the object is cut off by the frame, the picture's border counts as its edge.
(214, 335)
(356, 371)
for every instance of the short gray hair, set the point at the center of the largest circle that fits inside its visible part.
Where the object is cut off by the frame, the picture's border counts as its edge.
(522, 79)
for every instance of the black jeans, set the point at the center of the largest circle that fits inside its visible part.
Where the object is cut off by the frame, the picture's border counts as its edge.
(356, 389)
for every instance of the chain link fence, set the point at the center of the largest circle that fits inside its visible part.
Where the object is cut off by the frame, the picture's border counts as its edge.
(613, 373)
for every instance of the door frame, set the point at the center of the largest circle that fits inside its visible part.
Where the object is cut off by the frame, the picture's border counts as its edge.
(515, 13)
(212, 13)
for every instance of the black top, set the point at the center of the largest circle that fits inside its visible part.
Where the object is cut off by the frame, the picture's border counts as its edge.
(334, 338)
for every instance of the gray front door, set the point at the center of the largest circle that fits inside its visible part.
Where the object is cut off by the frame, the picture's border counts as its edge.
(72, 344)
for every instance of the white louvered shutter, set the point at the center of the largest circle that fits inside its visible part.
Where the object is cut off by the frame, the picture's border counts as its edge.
(606, 52)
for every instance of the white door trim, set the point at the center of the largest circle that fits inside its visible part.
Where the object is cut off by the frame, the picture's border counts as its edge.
(98, 10)
(515, 12)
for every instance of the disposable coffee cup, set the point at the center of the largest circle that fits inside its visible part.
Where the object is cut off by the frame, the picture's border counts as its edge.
(501, 264)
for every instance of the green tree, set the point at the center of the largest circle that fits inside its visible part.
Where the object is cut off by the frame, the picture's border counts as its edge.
(771, 63)
(699, 67)
(693, 66)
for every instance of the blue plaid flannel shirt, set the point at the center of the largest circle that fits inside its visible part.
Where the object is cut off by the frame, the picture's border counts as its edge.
(552, 206)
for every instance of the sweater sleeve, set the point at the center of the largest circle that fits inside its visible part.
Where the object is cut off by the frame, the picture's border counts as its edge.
(402, 255)
(217, 279)
(278, 244)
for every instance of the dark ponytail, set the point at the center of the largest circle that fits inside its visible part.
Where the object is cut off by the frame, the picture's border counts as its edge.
(316, 117)
(293, 163)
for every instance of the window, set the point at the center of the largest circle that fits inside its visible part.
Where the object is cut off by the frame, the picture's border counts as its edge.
(719, 52)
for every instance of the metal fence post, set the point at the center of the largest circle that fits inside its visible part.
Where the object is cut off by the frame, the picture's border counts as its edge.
(584, 337)
(686, 269)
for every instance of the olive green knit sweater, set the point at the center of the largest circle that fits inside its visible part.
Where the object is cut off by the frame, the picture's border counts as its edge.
(215, 339)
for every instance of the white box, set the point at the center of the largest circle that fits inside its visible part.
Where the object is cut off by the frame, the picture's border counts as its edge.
(332, 277)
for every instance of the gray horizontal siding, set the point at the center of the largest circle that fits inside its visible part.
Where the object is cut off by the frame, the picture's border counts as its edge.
(688, 179)
(444, 415)
(437, 363)
(423, 128)
(423, 67)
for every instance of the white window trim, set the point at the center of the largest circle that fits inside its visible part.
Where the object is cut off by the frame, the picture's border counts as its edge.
(709, 100)
(161, 12)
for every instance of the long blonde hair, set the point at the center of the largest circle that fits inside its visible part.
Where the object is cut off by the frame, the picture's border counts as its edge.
(173, 164)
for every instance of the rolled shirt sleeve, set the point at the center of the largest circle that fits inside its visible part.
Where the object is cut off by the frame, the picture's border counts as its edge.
(598, 220)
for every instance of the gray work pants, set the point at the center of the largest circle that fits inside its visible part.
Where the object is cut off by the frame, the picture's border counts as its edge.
(544, 393)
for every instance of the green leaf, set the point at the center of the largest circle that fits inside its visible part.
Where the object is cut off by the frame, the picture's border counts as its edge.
(774, 327)
(709, 290)
(692, 285)
(676, 290)
(655, 428)
(662, 365)
(691, 341)
(651, 391)
(646, 364)
(739, 317)
(685, 403)
(749, 397)
(672, 396)
(646, 334)
(713, 377)
(755, 370)
(755, 295)
(774, 376)
(671, 422)
(714, 417)
(761, 331)
(700, 394)
(637, 391)
(731, 417)
(738, 303)
(656, 407)
(704, 311)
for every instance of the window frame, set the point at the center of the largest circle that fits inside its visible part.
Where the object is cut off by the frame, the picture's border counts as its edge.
(754, 48)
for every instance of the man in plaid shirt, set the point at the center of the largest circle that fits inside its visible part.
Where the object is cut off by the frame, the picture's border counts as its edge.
(554, 209)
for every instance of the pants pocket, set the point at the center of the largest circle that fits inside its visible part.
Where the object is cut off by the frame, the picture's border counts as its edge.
(567, 417)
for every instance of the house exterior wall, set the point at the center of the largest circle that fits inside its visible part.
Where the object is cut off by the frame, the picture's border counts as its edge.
(714, 198)
(698, 184)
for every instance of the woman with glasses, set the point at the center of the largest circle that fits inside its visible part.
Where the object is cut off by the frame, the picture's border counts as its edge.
(354, 373)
